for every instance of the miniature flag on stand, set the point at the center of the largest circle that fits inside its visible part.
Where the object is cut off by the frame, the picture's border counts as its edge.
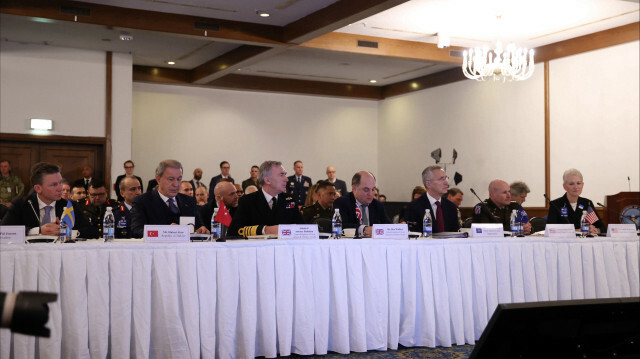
(591, 216)
(68, 216)
(223, 215)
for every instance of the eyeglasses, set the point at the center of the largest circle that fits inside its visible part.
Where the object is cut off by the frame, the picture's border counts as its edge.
(442, 179)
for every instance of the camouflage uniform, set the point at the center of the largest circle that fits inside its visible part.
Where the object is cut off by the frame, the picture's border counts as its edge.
(10, 188)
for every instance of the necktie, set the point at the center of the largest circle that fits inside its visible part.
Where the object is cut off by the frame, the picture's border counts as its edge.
(273, 202)
(172, 206)
(439, 219)
(47, 215)
(365, 217)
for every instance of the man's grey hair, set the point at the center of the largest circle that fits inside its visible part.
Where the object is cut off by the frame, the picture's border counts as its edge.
(163, 165)
(570, 172)
(265, 170)
(518, 187)
(427, 173)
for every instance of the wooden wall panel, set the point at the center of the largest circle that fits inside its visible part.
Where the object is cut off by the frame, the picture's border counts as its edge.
(21, 156)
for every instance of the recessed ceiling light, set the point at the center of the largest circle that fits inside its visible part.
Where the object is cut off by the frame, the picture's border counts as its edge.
(126, 36)
(262, 13)
(373, 81)
(171, 62)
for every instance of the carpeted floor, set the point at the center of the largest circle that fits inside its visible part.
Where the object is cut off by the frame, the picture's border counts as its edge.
(455, 352)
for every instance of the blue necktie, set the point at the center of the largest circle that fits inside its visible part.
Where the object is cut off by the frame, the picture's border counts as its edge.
(172, 206)
(47, 215)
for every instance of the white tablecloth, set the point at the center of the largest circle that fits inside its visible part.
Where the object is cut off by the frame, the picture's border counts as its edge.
(244, 299)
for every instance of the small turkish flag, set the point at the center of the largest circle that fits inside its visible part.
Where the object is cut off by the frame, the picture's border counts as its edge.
(152, 233)
(223, 215)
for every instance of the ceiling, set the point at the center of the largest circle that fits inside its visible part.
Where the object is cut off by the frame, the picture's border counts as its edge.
(303, 43)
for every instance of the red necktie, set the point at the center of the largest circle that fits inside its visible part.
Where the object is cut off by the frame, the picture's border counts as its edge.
(439, 219)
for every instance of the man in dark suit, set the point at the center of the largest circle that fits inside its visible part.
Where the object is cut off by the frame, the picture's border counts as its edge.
(340, 185)
(261, 212)
(128, 171)
(130, 188)
(40, 212)
(298, 184)
(87, 175)
(444, 213)
(225, 167)
(164, 205)
(359, 209)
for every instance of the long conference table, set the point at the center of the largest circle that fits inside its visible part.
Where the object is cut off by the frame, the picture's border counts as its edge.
(243, 299)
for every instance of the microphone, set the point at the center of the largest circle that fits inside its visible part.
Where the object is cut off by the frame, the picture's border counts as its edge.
(629, 181)
(484, 205)
(556, 208)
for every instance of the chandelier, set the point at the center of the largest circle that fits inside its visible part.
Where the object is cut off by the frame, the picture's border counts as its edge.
(512, 64)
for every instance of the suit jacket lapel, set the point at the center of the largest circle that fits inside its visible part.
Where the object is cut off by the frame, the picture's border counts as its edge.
(159, 203)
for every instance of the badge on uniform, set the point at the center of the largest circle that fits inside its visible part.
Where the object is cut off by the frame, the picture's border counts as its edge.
(477, 210)
(290, 205)
(564, 212)
(581, 206)
(292, 183)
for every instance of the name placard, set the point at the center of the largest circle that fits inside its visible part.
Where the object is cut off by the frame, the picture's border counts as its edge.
(559, 230)
(12, 234)
(624, 230)
(486, 230)
(166, 234)
(298, 231)
(390, 231)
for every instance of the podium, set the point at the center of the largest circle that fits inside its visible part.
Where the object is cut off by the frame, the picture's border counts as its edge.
(623, 207)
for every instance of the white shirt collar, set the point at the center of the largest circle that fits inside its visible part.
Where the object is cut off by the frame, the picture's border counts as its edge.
(127, 205)
(433, 203)
(165, 198)
(267, 196)
(41, 204)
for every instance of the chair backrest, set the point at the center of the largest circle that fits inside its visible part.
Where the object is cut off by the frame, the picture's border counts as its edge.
(467, 222)
(538, 224)
(324, 225)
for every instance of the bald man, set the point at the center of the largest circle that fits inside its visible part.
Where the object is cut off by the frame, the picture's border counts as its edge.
(359, 209)
(500, 206)
(224, 192)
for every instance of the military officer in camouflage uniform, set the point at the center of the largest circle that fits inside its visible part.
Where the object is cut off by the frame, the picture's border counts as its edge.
(323, 208)
(498, 208)
(11, 187)
(97, 204)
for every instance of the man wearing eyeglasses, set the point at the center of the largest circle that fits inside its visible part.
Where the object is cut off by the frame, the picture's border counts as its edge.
(97, 204)
(225, 167)
(444, 213)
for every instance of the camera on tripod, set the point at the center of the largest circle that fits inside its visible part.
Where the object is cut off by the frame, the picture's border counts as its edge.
(26, 312)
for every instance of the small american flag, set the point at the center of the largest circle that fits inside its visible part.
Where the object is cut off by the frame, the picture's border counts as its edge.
(591, 216)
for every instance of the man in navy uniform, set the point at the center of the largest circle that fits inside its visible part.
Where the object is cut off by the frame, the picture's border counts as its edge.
(298, 185)
(359, 209)
(444, 213)
(261, 212)
(130, 188)
(164, 205)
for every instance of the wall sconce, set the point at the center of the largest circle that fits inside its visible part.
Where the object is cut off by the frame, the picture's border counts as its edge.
(41, 124)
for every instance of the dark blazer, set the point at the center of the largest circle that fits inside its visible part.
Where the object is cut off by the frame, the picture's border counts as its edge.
(298, 190)
(253, 214)
(122, 216)
(80, 183)
(415, 213)
(193, 184)
(21, 214)
(151, 185)
(116, 186)
(347, 206)
(214, 182)
(554, 215)
(341, 186)
(149, 208)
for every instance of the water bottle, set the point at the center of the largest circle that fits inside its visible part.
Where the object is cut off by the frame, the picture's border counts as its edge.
(65, 232)
(336, 225)
(427, 224)
(513, 224)
(108, 226)
(215, 226)
(584, 224)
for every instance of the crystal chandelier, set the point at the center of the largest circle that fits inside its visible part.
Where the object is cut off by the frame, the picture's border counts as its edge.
(512, 64)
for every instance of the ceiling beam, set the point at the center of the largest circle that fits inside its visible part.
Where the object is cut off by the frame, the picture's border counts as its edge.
(414, 50)
(112, 16)
(597, 40)
(230, 62)
(333, 17)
